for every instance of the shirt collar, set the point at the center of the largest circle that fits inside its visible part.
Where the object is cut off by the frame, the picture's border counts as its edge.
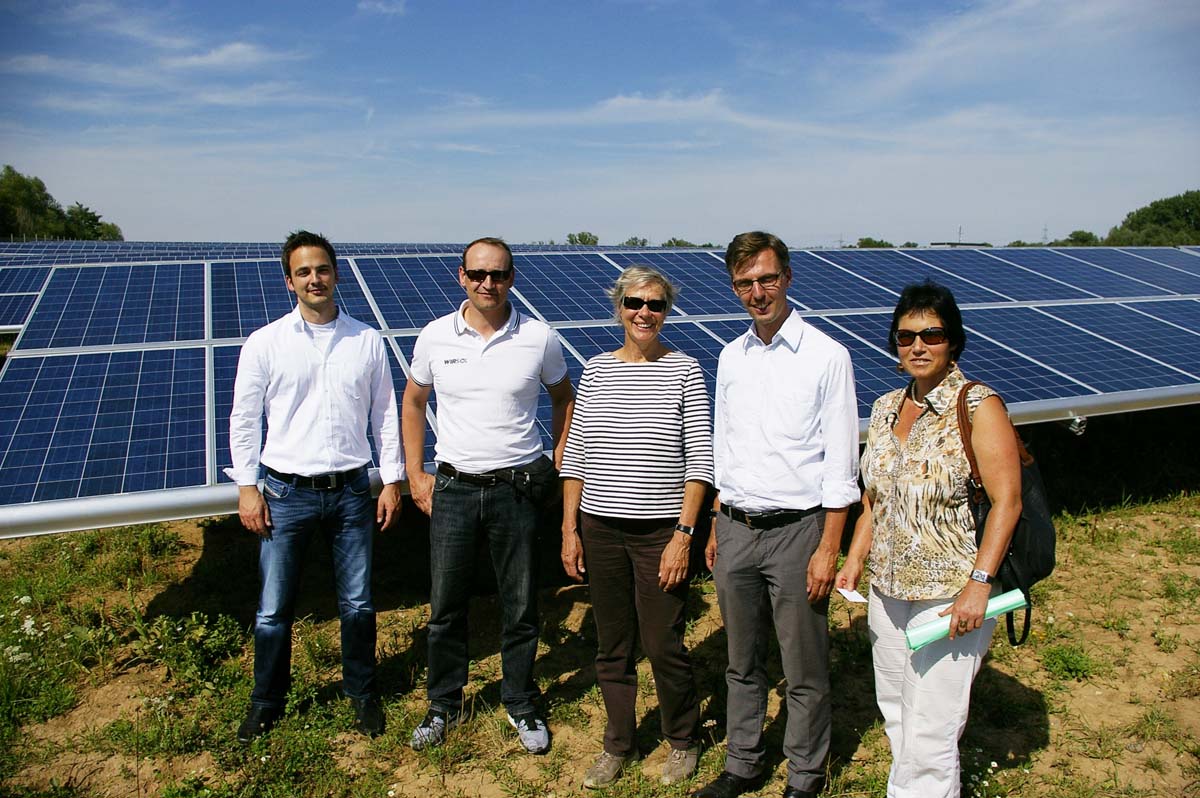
(298, 322)
(791, 333)
(462, 328)
(945, 393)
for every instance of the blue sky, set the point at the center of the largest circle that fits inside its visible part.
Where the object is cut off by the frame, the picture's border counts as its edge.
(415, 120)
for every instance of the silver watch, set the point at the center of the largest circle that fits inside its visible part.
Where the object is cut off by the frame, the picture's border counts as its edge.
(982, 576)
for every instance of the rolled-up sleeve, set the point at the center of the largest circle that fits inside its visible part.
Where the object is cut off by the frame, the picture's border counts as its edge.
(839, 431)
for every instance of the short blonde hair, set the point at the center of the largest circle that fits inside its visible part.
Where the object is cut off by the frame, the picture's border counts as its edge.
(640, 275)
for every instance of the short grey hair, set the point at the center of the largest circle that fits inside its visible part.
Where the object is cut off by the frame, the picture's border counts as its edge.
(638, 275)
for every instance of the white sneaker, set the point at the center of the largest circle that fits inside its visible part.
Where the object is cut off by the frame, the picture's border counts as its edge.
(532, 731)
(432, 731)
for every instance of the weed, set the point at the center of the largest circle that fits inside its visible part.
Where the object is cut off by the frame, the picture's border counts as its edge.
(1167, 642)
(1183, 543)
(1180, 588)
(1154, 724)
(190, 648)
(1068, 661)
(1183, 683)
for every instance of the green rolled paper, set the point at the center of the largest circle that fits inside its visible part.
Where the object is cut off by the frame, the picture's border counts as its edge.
(926, 633)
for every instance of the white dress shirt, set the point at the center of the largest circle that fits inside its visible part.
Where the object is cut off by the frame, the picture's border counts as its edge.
(487, 391)
(786, 422)
(317, 388)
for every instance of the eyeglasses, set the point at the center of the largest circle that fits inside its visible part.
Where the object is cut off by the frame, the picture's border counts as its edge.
(766, 283)
(931, 336)
(479, 275)
(636, 303)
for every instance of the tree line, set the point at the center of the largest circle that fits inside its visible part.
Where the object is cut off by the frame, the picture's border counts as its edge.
(27, 210)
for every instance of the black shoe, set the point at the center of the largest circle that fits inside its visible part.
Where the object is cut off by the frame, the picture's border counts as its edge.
(727, 785)
(259, 721)
(368, 715)
(796, 792)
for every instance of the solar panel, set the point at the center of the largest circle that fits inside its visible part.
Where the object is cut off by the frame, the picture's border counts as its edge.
(14, 309)
(121, 378)
(22, 281)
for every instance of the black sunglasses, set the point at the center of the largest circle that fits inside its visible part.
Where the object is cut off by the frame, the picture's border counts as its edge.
(930, 335)
(479, 275)
(636, 303)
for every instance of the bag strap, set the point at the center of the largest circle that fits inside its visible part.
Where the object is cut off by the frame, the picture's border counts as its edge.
(964, 432)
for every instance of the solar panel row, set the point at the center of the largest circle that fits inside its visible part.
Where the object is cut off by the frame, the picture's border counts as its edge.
(79, 419)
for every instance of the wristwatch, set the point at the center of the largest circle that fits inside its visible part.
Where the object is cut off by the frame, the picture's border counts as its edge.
(982, 576)
(690, 531)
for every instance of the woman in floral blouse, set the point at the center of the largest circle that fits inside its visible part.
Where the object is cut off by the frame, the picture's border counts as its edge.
(917, 537)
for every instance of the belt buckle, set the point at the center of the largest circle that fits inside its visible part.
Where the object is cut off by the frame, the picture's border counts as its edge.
(325, 481)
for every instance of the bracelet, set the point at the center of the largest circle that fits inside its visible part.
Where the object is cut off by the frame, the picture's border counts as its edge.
(690, 531)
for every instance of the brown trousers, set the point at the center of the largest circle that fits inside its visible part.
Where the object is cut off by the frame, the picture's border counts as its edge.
(622, 556)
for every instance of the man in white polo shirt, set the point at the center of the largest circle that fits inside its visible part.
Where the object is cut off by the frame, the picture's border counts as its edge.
(318, 375)
(487, 362)
(786, 454)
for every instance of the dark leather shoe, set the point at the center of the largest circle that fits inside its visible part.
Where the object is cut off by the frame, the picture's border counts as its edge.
(259, 721)
(368, 715)
(796, 792)
(726, 785)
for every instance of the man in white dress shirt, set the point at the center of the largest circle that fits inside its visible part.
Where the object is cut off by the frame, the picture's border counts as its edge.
(318, 375)
(786, 456)
(487, 362)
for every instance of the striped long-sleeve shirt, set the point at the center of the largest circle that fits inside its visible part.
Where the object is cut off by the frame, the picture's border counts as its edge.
(639, 432)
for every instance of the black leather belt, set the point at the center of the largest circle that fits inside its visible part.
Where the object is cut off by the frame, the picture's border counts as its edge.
(513, 476)
(332, 481)
(766, 520)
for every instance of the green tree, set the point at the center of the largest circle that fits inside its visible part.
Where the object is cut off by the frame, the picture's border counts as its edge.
(583, 239)
(1078, 238)
(910, 245)
(677, 242)
(27, 209)
(1020, 243)
(876, 243)
(634, 241)
(1166, 222)
(84, 224)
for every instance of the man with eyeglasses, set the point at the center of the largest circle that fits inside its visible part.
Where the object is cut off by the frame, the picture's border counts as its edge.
(786, 457)
(486, 362)
(318, 376)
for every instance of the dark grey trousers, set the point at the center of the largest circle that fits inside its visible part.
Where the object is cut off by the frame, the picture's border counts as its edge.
(761, 577)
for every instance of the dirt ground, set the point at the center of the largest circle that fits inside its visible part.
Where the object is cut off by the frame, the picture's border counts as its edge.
(1129, 726)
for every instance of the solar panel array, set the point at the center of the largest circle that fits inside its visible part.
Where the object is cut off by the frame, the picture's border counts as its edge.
(120, 380)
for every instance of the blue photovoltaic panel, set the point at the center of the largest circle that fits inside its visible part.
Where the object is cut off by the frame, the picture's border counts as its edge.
(700, 278)
(1154, 274)
(14, 308)
(1103, 366)
(1082, 275)
(102, 306)
(1017, 378)
(1185, 313)
(87, 425)
(406, 344)
(247, 295)
(1149, 336)
(411, 292)
(894, 270)
(22, 281)
(566, 287)
(1169, 257)
(874, 372)
(820, 285)
(1001, 276)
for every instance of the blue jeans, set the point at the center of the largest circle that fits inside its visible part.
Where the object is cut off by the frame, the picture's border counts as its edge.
(347, 518)
(508, 517)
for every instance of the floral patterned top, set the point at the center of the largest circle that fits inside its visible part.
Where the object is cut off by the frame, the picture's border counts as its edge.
(923, 546)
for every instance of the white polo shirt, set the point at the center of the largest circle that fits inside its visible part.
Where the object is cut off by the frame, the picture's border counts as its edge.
(487, 391)
(785, 432)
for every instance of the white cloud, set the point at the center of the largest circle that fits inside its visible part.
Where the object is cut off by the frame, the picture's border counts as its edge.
(235, 55)
(386, 7)
(155, 30)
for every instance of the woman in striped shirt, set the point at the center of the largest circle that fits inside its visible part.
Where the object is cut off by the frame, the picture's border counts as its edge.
(637, 465)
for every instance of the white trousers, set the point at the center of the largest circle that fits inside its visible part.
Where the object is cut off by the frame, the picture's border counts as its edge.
(923, 695)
